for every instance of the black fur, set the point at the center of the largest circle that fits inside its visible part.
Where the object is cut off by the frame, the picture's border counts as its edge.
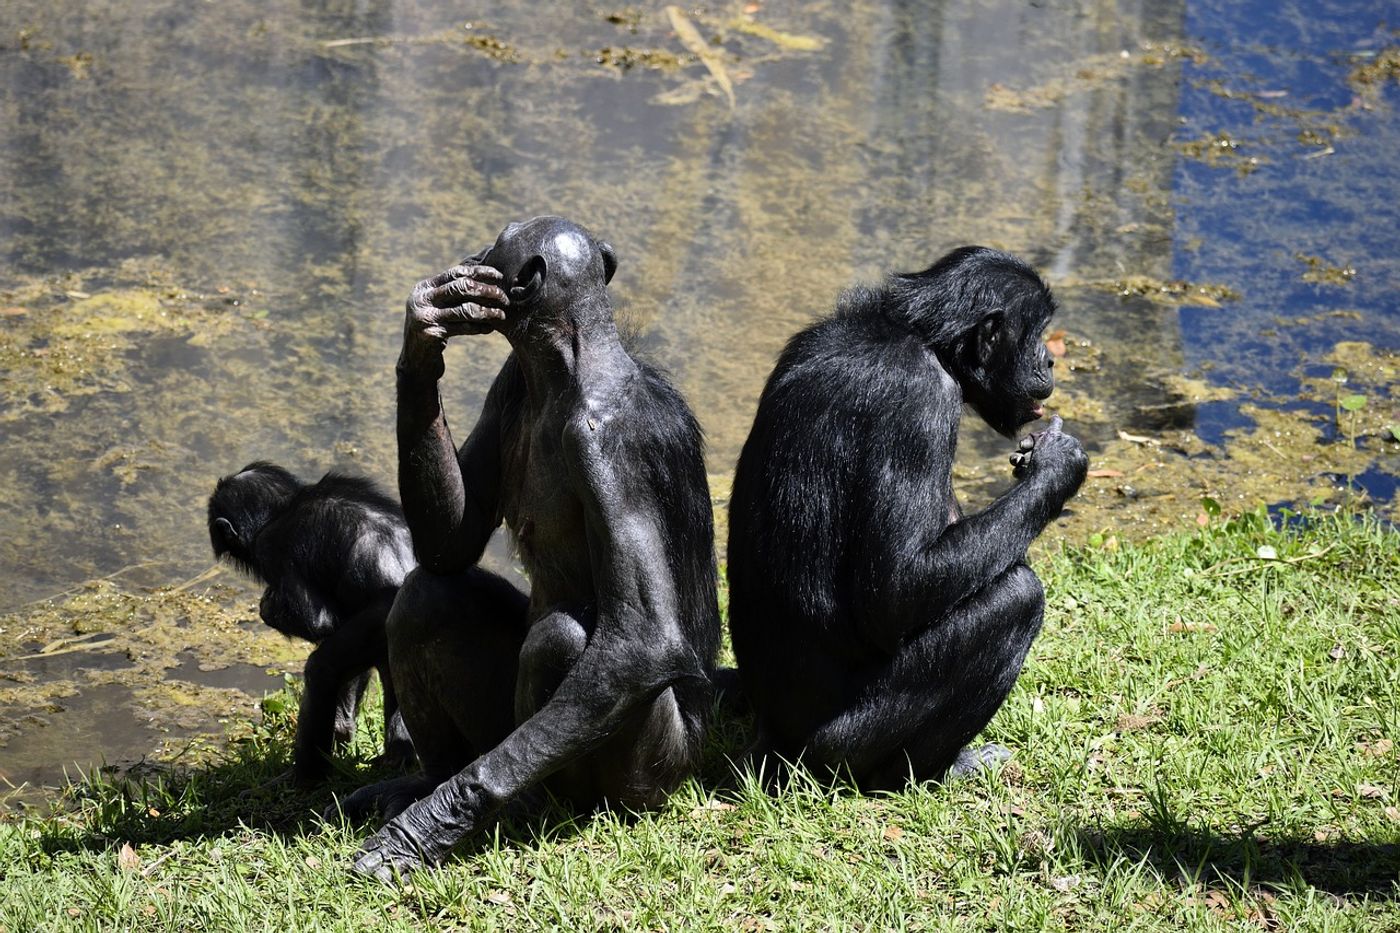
(332, 555)
(876, 629)
(596, 684)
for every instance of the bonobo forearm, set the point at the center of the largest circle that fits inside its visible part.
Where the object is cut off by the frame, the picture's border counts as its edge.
(972, 553)
(430, 480)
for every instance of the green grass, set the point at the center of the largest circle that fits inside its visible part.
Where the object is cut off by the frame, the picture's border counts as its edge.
(1203, 740)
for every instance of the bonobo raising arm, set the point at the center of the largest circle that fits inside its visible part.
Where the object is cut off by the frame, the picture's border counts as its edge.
(598, 681)
(877, 629)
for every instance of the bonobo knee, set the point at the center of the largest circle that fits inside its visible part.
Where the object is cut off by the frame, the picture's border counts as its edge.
(1022, 589)
(421, 599)
(555, 641)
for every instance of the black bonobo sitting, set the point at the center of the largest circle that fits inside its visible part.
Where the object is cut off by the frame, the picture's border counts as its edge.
(596, 684)
(877, 629)
(332, 555)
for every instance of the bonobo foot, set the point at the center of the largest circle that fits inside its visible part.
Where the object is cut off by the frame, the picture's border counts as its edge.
(423, 834)
(972, 760)
(387, 798)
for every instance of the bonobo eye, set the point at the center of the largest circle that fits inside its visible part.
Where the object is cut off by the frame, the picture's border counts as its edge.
(528, 280)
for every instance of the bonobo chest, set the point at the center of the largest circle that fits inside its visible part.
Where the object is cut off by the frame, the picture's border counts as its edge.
(545, 517)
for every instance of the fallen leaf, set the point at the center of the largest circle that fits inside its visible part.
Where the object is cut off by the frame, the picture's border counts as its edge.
(1267, 552)
(697, 46)
(499, 897)
(1377, 749)
(77, 295)
(313, 862)
(127, 859)
(1135, 438)
(893, 834)
(786, 40)
(1055, 343)
(1066, 884)
(1393, 814)
(710, 807)
(1337, 653)
(13, 311)
(1105, 474)
(1371, 792)
(1180, 626)
(1203, 519)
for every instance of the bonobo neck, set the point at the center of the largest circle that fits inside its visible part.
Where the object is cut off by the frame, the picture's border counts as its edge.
(552, 350)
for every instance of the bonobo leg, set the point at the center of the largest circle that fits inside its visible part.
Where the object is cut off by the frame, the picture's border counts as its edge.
(347, 707)
(635, 767)
(398, 746)
(915, 716)
(454, 646)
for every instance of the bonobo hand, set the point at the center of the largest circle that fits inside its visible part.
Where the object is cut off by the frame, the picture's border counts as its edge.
(465, 299)
(1054, 451)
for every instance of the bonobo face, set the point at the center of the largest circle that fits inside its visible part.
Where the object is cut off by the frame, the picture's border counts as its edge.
(550, 263)
(1011, 368)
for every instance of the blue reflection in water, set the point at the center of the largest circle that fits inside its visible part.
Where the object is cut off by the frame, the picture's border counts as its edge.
(1269, 61)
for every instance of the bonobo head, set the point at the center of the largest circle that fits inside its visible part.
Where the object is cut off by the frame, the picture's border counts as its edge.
(241, 505)
(551, 266)
(984, 312)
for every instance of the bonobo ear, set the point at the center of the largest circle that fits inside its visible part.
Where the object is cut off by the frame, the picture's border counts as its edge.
(609, 261)
(989, 332)
(225, 535)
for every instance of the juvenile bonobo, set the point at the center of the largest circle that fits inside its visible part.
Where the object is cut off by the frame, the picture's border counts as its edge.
(598, 682)
(332, 555)
(877, 629)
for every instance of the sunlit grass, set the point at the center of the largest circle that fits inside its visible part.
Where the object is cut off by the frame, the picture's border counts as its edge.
(1204, 739)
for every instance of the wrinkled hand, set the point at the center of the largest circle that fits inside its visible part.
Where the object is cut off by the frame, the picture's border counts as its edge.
(466, 299)
(1051, 450)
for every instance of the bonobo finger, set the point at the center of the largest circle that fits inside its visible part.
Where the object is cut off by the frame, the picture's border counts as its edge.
(459, 290)
(1055, 425)
(1027, 442)
(464, 270)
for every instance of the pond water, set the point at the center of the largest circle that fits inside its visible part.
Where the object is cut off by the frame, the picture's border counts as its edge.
(210, 215)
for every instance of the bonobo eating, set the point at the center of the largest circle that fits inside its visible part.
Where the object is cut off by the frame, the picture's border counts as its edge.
(878, 629)
(596, 685)
(332, 555)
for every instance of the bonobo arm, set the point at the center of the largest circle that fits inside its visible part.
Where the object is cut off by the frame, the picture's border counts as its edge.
(293, 608)
(635, 652)
(449, 497)
(969, 554)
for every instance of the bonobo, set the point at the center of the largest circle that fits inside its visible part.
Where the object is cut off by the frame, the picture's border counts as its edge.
(597, 684)
(332, 554)
(877, 629)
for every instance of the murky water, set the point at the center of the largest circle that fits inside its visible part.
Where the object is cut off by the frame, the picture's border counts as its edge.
(210, 215)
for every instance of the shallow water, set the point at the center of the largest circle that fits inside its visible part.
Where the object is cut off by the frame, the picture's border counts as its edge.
(210, 215)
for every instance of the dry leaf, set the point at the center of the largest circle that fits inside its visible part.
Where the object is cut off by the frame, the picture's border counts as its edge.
(127, 859)
(1066, 884)
(499, 897)
(1203, 519)
(697, 46)
(1377, 749)
(893, 833)
(1055, 343)
(1338, 652)
(13, 311)
(1105, 474)
(1393, 814)
(1371, 792)
(1180, 626)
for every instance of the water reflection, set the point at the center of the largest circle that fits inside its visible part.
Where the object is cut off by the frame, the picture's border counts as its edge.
(231, 201)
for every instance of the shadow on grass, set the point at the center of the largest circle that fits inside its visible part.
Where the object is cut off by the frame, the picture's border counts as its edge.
(1339, 867)
(160, 804)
